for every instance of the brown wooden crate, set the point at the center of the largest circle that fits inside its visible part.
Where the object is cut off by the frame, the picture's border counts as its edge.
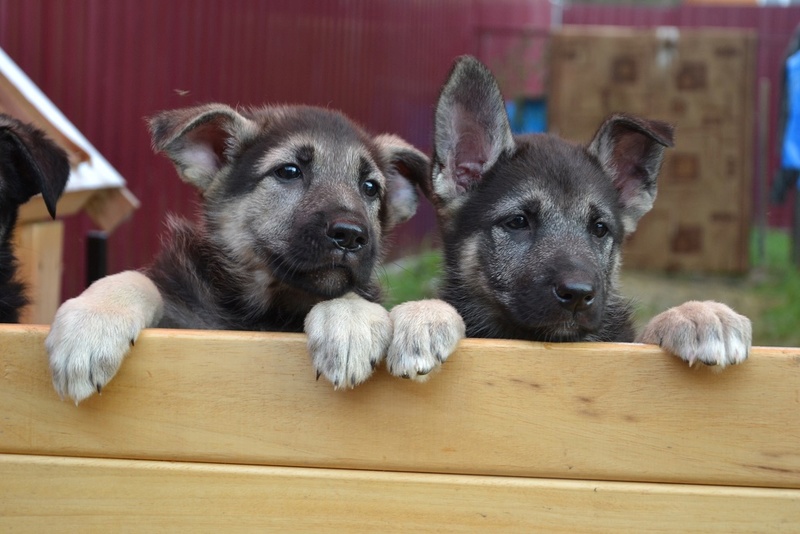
(703, 82)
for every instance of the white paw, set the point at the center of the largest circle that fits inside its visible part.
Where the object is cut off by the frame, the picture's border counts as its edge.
(708, 332)
(347, 339)
(87, 345)
(426, 332)
(91, 334)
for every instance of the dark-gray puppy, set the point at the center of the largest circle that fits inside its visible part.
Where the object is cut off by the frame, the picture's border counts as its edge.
(532, 229)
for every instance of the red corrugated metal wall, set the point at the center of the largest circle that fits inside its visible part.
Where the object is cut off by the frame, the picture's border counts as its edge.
(109, 64)
(774, 25)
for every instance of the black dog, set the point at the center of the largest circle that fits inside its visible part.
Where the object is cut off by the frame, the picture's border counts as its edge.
(30, 163)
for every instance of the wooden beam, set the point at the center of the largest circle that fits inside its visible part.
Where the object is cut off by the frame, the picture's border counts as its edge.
(42, 494)
(70, 203)
(110, 207)
(582, 411)
(39, 247)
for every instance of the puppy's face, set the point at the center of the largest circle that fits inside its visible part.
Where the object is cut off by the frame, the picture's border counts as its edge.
(301, 196)
(532, 225)
(542, 227)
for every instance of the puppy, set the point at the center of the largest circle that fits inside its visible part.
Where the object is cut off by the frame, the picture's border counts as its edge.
(30, 163)
(296, 205)
(532, 230)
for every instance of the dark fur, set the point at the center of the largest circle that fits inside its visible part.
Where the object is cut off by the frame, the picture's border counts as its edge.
(527, 273)
(205, 284)
(30, 163)
(533, 225)
(296, 206)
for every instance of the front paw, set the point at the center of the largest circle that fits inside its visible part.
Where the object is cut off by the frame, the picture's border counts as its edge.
(709, 332)
(426, 332)
(86, 346)
(347, 339)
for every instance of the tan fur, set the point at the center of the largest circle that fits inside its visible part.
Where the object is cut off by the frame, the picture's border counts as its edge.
(347, 338)
(296, 201)
(708, 332)
(426, 332)
(92, 333)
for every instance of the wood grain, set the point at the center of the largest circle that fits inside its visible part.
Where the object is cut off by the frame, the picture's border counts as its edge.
(38, 246)
(41, 494)
(585, 411)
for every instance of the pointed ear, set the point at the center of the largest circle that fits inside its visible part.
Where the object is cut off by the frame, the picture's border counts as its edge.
(200, 140)
(471, 131)
(32, 163)
(631, 150)
(407, 167)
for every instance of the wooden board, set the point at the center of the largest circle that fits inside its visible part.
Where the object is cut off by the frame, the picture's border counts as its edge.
(38, 247)
(43, 494)
(581, 411)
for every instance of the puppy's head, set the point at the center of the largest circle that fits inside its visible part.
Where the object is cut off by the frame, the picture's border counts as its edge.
(30, 163)
(532, 225)
(301, 192)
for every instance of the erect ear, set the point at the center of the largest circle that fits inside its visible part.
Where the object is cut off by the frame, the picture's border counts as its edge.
(407, 167)
(201, 140)
(471, 131)
(31, 163)
(631, 150)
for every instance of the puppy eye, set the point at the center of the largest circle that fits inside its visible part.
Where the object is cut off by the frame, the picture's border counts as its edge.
(288, 172)
(517, 222)
(370, 188)
(599, 229)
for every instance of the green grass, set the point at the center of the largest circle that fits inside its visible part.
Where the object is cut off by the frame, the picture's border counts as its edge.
(412, 278)
(769, 295)
(777, 288)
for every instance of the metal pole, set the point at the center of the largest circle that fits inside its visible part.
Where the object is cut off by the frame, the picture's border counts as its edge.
(96, 255)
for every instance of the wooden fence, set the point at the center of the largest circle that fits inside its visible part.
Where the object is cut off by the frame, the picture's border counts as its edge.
(229, 431)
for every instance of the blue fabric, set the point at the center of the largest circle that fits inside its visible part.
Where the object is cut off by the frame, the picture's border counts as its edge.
(791, 137)
(527, 116)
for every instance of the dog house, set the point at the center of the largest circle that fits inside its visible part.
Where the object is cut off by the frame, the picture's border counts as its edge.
(229, 431)
(94, 188)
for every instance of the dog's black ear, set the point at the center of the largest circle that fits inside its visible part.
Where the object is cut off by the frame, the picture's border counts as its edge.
(200, 140)
(631, 150)
(407, 167)
(31, 163)
(471, 131)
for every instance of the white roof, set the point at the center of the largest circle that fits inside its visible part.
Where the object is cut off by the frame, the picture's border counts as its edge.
(96, 173)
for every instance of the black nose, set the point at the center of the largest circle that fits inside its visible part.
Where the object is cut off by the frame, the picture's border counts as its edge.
(348, 235)
(574, 295)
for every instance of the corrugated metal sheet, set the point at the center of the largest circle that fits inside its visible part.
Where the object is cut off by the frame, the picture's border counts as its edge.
(108, 65)
(774, 25)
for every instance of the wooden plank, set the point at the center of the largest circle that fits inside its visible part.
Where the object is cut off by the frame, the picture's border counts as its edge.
(110, 207)
(38, 247)
(42, 494)
(589, 411)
